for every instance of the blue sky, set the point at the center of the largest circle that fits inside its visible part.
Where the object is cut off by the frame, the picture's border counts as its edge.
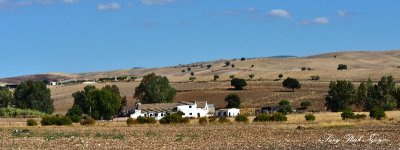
(39, 36)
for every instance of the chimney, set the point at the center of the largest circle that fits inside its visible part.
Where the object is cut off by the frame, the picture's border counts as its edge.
(138, 106)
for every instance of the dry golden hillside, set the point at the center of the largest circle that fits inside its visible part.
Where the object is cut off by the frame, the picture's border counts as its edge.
(265, 89)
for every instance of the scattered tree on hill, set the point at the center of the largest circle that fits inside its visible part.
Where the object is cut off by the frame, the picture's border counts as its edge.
(251, 76)
(6, 97)
(34, 95)
(227, 63)
(340, 95)
(291, 83)
(303, 68)
(342, 67)
(280, 76)
(233, 65)
(216, 77)
(183, 70)
(252, 66)
(209, 66)
(238, 83)
(155, 89)
(232, 76)
(233, 101)
(315, 77)
(192, 79)
(242, 59)
(192, 73)
(188, 69)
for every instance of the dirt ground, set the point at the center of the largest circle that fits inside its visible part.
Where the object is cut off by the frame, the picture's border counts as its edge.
(327, 132)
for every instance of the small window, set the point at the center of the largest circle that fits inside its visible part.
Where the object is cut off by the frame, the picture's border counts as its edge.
(162, 114)
(190, 114)
(190, 106)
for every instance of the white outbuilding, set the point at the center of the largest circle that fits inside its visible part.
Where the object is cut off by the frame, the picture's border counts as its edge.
(229, 112)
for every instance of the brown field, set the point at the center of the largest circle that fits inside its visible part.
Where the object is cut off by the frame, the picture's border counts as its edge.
(327, 132)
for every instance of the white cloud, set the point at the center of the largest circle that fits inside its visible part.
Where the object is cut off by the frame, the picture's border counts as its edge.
(108, 6)
(280, 13)
(315, 21)
(342, 13)
(240, 11)
(70, 1)
(157, 2)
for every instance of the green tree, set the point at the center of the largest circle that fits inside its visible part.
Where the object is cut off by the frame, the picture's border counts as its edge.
(192, 79)
(104, 103)
(340, 95)
(285, 107)
(155, 89)
(75, 113)
(251, 76)
(280, 76)
(216, 77)
(34, 95)
(227, 63)
(361, 95)
(387, 85)
(239, 84)
(291, 83)
(342, 67)
(233, 101)
(6, 97)
(80, 98)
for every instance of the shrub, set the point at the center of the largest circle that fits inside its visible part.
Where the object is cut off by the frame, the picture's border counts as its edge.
(88, 121)
(280, 76)
(285, 107)
(232, 76)
(183, 70)
(192, 79)
(347, 114)
(377, 113)
(303, 68)
(342, 67)
(192, 73)
(241, 118)
(130, 121)
(251, 76)
(278, 117)
(31, 122)
(209, 66)
(224, 120)
(305, 104)
(7, 112)
(146, 120)
(203, 120)
(310, 117)
(56, 120)
(360, 116)
(242, 59)
(315, 77)
(212, 120)
(173, 119)
(233, 65)
(262, 118)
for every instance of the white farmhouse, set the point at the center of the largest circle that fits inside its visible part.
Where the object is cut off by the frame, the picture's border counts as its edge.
(230, 112)
(159, 110)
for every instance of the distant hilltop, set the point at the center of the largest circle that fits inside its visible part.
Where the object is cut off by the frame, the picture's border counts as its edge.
(361, 66)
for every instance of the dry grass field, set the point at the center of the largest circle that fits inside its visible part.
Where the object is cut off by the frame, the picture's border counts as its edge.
(257, 94)
(327, 132)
